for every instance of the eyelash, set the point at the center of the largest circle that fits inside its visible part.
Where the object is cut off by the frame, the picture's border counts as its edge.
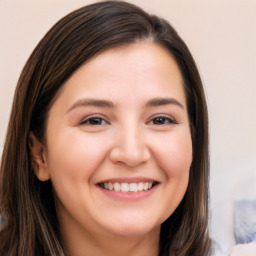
(98, 121)
(167, 120)
(93, 121)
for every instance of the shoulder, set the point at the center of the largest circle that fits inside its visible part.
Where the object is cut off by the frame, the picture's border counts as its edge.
(244, 249)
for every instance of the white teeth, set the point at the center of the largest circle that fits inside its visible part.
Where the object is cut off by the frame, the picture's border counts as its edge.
(133, 187)
(140, 186)
(150, 184)
(145, 185)
(126, 187)
(110, 186)
(117, 186)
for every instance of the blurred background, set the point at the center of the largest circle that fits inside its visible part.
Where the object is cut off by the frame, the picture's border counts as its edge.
(221, 35)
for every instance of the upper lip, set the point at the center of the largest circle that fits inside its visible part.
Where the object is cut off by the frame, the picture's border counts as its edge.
(128, 180)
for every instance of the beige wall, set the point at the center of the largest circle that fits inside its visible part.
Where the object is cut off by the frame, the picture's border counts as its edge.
(222, 37)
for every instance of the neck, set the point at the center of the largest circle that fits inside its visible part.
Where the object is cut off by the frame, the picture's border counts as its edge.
(79, 242)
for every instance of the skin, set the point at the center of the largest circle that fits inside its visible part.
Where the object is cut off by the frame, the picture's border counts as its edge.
(129, 139)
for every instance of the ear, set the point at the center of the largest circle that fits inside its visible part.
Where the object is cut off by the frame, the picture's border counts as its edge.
(38, 158)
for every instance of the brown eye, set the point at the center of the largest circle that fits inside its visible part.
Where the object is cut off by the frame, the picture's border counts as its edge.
(163, 120)
(94, 121)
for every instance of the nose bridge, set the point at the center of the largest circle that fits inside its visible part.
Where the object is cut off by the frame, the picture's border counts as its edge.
(133, 140)
(130, 146)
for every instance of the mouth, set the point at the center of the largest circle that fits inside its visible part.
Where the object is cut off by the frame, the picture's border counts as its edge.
(128, 187)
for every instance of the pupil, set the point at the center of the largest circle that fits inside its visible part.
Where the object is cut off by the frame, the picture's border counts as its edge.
(95, 121)
(159, 120)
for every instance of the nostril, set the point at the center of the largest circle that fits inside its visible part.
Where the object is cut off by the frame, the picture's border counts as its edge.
(129, 156)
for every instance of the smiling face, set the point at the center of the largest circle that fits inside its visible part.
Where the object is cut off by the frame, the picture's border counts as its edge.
(118, 144)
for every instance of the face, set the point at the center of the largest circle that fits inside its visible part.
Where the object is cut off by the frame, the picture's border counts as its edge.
(118, 144)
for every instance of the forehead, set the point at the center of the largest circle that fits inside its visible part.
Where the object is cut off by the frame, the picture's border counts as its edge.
(144, 56)
(139, 69)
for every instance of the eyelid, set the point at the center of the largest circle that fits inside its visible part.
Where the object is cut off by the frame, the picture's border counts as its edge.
(88, 118)
(171, 119)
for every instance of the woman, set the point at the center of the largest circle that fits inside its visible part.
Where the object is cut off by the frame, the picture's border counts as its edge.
(107, 146)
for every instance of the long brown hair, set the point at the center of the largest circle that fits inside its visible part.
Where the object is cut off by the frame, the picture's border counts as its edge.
(27, 203)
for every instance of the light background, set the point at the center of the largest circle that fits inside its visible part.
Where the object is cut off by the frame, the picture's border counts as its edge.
(221, 35)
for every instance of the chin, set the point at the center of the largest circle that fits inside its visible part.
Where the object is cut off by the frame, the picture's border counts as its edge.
(135, 230)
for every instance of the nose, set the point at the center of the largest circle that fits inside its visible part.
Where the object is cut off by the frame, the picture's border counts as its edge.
(130, 148)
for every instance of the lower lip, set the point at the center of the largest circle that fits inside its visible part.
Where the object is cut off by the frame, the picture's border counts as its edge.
(129, 196)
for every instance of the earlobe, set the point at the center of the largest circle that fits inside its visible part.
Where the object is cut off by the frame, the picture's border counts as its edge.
(38, 159)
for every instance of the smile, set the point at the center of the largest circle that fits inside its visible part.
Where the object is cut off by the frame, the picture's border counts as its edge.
(127, 187)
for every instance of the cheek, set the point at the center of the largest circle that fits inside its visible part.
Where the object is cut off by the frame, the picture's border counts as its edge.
(174, 158)
(175, 155)
(74, 156)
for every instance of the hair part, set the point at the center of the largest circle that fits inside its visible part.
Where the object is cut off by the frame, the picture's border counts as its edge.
(27, 203)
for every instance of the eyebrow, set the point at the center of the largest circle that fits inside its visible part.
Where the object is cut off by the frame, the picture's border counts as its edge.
(155, 102)
(163, 101)
(92, 102)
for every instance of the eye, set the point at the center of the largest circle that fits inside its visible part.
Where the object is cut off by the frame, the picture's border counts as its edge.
(94, 121)
(162, 120)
